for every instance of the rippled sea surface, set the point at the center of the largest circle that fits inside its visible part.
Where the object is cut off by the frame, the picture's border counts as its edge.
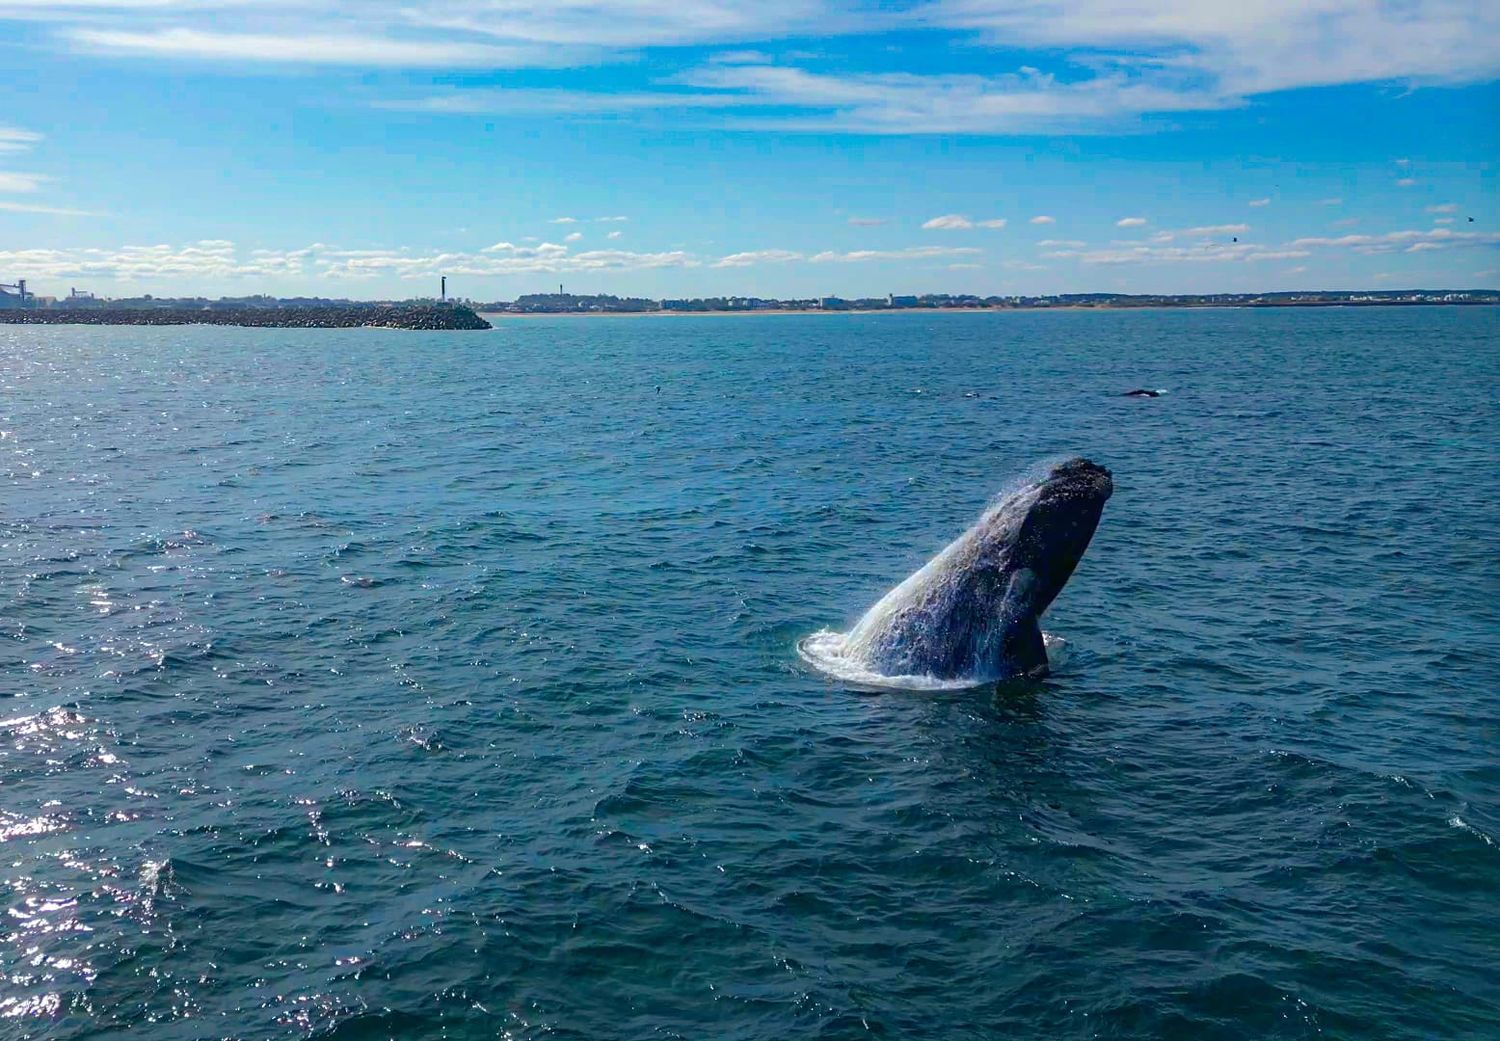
(367, 684)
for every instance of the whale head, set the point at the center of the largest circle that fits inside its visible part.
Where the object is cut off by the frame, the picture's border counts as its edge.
(1057, 526)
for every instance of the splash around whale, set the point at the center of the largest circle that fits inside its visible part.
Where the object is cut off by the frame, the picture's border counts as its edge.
(971, 615)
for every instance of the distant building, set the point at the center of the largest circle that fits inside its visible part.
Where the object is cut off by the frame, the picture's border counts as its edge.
(15, 295)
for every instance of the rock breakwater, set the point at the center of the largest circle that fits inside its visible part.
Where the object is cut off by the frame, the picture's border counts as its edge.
(396, 316)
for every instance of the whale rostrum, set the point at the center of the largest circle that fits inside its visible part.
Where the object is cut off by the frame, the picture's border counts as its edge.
(972, 612)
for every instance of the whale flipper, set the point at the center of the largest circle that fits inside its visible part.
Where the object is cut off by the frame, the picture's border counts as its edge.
(1025, 649)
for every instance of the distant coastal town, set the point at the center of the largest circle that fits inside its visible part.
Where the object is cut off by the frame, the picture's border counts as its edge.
(19, 305)
(567, 303)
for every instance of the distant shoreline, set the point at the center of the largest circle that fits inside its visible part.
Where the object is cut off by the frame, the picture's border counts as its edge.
(741, 313)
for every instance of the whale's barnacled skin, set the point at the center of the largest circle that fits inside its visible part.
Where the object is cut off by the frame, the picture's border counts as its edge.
(972, 612)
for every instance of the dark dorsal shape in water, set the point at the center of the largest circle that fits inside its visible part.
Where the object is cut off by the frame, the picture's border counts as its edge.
(972, 612)
(1141, 392)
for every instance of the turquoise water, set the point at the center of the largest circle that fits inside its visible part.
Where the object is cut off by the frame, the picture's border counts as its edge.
(365, 684)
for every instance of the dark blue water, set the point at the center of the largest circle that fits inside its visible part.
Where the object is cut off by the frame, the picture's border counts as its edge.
(364, 684)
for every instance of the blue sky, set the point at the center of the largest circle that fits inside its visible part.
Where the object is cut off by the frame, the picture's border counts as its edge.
(788, 148)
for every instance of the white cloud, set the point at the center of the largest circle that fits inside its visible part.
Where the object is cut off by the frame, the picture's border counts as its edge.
(1247, 49)
(1403, 241)
(910, 103)
(1131, 222)
(14, 139)
(216, 259)
(1331, 201)
(555, 101)
(611, 220)
(910, 253)
(1210, 230)
(787, 256)
(56, 211)
(614, 234)
(1062, 244)
(311, 49)
(1260, 202)
(20, 182)
(505, 258)
(1442, 220)
(574, 237)
(563, 220)
(759, 256)
(1043, 219)
(1203, 250)
(868, 222)
(948, 222)
(1197, 253)
(958, 222)
(1447, 207)
(1406, 182)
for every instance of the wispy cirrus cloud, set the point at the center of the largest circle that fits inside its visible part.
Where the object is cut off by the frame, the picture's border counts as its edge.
(14, 139)
(20, 182)
(7, 206)
(1067, 65)
(313, 49)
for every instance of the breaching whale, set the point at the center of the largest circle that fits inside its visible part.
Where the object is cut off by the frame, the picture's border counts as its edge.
(972, 612)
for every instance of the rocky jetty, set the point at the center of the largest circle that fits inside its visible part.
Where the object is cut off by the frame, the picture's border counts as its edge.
(393, 316)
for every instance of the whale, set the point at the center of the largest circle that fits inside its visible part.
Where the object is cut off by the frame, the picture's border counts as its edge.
(973, 612)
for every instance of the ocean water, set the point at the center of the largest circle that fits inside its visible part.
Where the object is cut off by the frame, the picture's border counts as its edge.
(367, 684)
